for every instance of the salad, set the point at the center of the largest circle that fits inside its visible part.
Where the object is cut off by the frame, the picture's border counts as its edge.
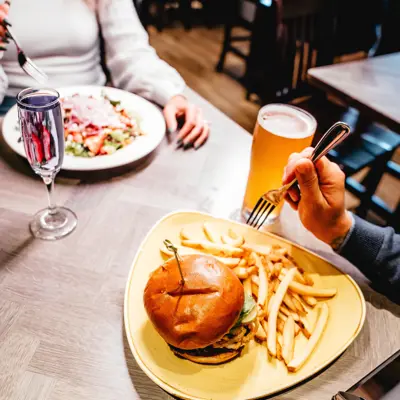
(97, 126)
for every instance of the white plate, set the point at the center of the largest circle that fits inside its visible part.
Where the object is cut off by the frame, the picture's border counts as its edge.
(151, 122)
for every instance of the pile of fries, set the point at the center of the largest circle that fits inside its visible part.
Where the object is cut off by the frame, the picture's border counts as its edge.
(284, 293)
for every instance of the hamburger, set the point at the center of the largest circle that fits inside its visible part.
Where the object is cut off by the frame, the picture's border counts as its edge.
(206, 317)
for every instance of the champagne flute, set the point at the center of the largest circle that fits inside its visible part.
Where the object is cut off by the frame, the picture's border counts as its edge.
(42, 129)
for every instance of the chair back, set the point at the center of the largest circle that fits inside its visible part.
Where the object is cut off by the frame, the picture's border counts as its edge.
(390, 28)
(286, 39)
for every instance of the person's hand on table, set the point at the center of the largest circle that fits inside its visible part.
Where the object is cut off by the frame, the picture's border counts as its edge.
(320, 202)
(195, 129)
(4, 8)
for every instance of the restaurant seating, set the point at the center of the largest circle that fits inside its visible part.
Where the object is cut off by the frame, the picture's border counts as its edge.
(234, 19)
(390, 28)
(372, 149)
(355, 24)
(372, 146)
(160, 12)
(285, 39)
(154, 12)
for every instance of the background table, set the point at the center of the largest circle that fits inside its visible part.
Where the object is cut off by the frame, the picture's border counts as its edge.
(61, 304)
(372, 85)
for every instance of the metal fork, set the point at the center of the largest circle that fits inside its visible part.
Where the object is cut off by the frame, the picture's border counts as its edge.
(269, 200)
(25, 62)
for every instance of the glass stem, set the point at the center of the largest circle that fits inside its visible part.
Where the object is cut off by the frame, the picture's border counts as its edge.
(49, 182)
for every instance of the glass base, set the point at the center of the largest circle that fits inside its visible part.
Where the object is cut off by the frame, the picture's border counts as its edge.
(272, 219)
(55, 225)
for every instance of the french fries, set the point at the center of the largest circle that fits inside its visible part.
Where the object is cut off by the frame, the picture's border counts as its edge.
(251, 259)
(310, 300)
(244, 273)
(297, 303)
(273, 315)
(305, 327)
(271, 301)
(275, 284)
(300, 278)
(241, 272)
(258, 249)
(224, 250)
(280, 325)
(280, 250)
(285, 294)
(182, 251)
(308, 279)
(242, 262)
(235, 236)
(183, 234)
(232, 238)
(296, 363)
(254, 289)
(265, 327)
(263, 286)
(282, 316)
(255, 279)
(247, 287)
(277, 269)
(288, 340)
(306, 306)
(226, 239)
(260, 334)
(252, 270)
(211, 235)
(289, 302)
(284, 310)
(230, 262)
(311, 291)
(279, 349)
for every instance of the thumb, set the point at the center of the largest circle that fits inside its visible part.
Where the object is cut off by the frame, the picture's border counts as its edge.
(308, 181)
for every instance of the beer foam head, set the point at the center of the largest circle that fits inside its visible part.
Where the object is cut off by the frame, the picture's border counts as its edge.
(287, 121)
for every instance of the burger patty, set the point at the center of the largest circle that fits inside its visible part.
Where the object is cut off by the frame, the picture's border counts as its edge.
(231, 342)
(208, 351)
(235, 339)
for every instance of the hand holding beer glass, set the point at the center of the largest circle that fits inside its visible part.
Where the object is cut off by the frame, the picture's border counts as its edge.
(280, 131)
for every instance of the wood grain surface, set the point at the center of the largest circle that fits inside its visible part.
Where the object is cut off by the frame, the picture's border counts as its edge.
(372, 85)
(61, 304)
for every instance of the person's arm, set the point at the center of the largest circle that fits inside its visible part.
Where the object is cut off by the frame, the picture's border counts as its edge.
(133, 63)
(320, 203)
(375, 251)
(3, 41)
(3, 83)
(135, 66)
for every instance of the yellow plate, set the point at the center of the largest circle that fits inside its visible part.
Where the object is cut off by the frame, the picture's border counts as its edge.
(252, 375)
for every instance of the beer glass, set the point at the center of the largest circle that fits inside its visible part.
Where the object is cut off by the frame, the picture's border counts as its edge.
(280, 131)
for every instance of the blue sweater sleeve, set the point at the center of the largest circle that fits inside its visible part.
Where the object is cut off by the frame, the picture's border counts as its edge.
(375, 251)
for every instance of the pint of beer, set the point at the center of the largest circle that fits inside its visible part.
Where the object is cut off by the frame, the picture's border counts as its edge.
(280, 130)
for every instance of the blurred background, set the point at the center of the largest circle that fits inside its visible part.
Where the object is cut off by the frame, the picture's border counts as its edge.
(241, 54)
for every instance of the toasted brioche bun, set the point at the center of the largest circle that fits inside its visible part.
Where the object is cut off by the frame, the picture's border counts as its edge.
(200, 312)
(210, 360)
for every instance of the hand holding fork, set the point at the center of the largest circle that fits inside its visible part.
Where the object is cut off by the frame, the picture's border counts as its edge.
(269, 200)
(29, 67)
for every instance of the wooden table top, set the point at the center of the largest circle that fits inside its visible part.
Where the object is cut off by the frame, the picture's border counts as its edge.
(372, 85)
(61, 303)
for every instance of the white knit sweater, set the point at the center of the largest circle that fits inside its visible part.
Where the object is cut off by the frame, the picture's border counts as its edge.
(62, 37)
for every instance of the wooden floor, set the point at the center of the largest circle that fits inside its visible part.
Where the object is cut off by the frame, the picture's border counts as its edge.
(195, 53)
